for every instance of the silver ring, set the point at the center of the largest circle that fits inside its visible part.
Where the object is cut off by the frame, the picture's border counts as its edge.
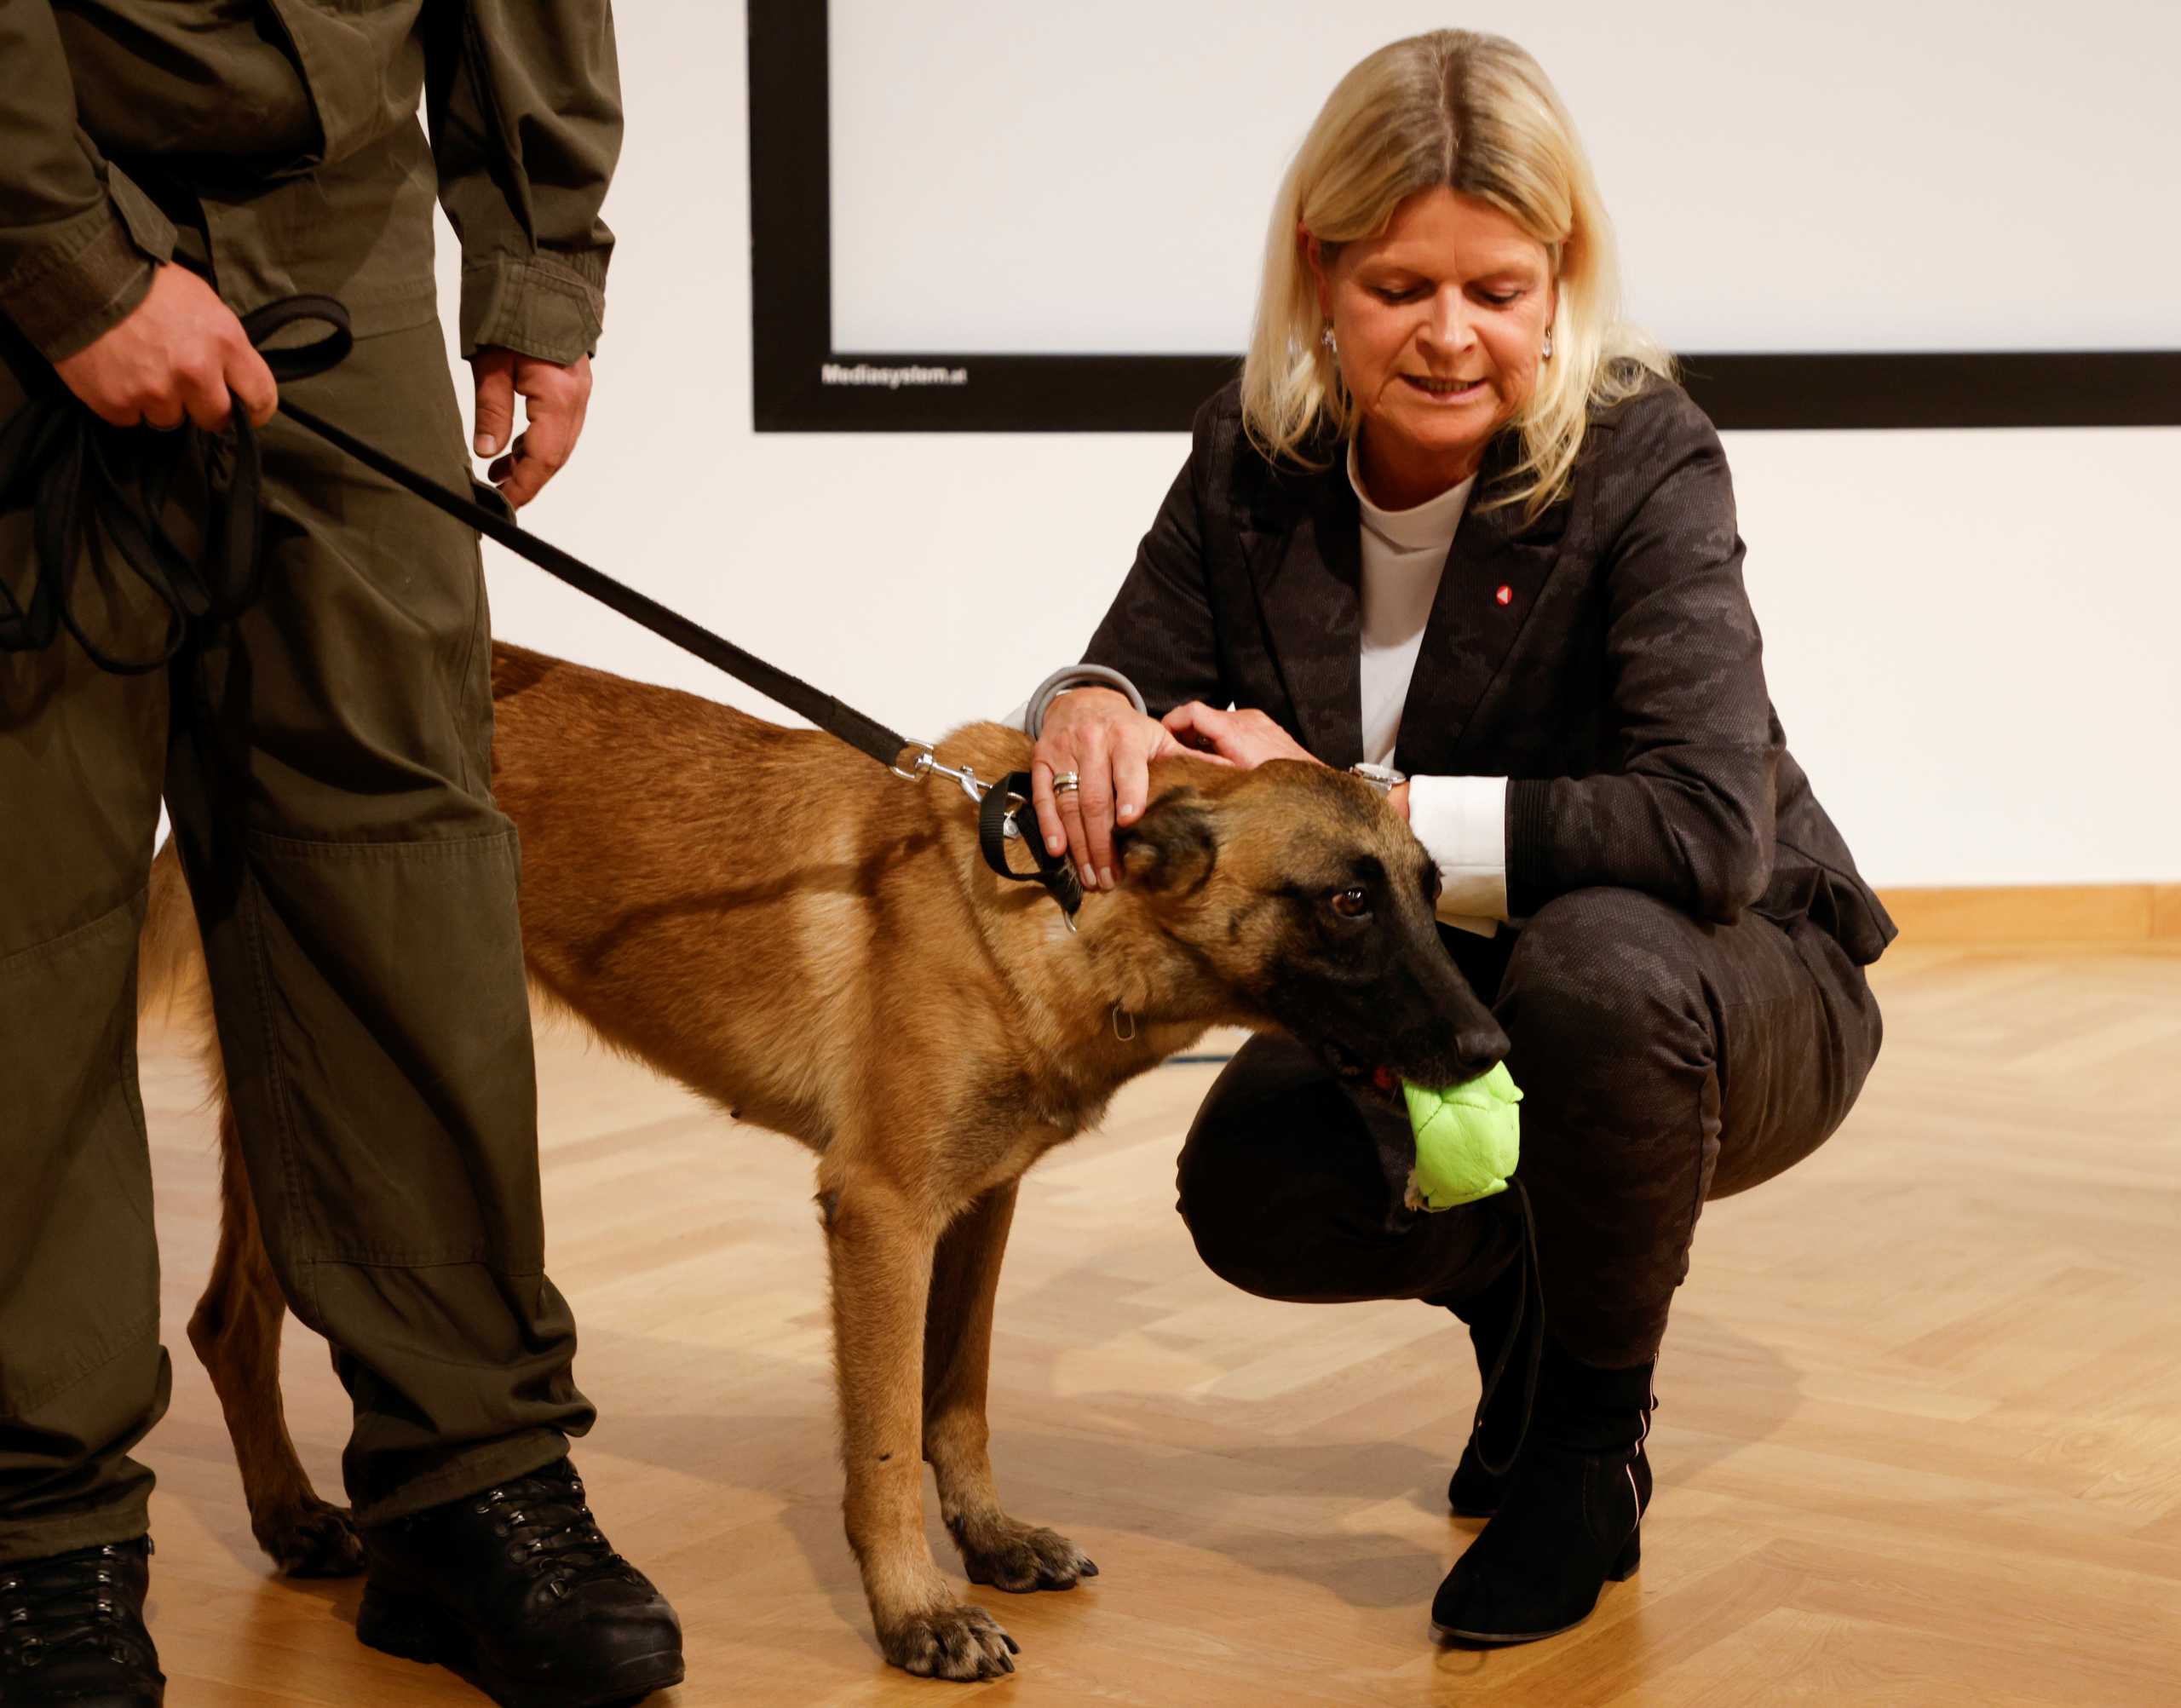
(1065, 782)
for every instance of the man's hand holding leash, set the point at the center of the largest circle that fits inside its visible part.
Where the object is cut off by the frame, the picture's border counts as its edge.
(182, 355)
(176, 356)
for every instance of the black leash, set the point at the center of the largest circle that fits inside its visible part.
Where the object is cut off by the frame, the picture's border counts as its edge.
(91, 486)
(495, 521)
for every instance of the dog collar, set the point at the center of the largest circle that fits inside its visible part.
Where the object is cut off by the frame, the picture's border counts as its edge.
(997, 826)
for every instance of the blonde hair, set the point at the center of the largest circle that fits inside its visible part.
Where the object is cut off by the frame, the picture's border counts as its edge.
(1474, 113)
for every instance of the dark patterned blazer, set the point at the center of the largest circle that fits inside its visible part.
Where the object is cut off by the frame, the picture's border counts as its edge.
(1619, 687)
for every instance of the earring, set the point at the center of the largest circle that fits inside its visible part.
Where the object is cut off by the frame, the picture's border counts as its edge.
(1327, 339)
(1546, 354)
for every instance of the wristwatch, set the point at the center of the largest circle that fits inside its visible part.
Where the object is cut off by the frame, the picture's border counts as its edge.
(1383, 778)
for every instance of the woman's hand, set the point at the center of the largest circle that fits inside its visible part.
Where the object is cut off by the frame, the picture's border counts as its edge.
(1244, 739)
(1100, 737)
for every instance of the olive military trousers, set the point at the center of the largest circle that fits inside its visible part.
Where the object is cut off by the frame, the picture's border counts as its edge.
(1664, 1062)
(326, 762)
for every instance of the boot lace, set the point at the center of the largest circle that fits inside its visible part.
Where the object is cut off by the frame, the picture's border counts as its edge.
(72, 1601)
(550, 1532)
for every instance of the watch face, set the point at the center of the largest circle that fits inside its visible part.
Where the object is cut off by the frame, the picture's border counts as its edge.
(1384, 775)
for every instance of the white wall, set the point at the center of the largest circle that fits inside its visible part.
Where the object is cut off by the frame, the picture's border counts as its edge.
(1141, 142)
(1972, 636)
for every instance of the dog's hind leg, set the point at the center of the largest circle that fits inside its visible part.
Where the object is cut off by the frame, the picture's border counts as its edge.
(236, 1331)
(995, 1548)
(880, 1239)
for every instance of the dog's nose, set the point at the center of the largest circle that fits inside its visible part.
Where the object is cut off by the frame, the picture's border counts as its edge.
(1480, 1047)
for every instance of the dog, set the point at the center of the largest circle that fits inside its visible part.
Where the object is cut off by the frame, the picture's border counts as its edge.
(815, 944)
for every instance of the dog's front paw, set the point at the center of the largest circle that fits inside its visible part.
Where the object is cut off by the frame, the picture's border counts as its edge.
(956, 1642)
(1020, 1557)
(311, 1540)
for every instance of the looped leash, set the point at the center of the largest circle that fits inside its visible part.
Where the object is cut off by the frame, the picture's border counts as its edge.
(97, 493)
(300, 361)
(996, 824)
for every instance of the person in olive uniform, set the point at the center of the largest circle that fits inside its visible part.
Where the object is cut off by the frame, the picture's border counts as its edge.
(326, 758)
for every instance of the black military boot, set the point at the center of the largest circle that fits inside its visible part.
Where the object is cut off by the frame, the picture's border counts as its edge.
(1569, 1520)
(72, 1631)
(517, 1588)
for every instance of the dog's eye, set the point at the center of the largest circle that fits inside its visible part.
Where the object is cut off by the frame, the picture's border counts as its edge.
(1352, 903)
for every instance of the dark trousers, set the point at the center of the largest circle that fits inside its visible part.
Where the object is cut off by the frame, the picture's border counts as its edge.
(327, 763)
(1663, 1062)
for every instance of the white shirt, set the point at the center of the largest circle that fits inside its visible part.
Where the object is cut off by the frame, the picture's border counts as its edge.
(1462, 821)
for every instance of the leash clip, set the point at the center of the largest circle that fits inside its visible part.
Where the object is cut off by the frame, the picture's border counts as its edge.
(926, 761)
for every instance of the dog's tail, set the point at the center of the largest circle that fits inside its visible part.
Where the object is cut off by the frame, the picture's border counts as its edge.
(171, 984)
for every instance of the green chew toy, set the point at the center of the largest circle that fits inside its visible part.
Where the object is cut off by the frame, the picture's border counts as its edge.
(1467, 1140)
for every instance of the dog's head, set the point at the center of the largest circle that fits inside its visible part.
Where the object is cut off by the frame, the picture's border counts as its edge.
(1301, 891)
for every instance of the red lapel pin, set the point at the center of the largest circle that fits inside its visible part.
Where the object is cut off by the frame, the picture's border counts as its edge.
(1506, 596)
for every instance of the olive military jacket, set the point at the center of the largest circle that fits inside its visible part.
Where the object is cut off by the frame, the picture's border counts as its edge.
(1604, 658)
(292, 121)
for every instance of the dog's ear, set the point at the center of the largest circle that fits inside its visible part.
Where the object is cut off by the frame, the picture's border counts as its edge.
(1174, 846)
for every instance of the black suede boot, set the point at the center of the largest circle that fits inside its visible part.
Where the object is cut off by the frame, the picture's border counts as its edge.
(1569, 1521)
(517, 1588)
(1493, 1318)
(72, 1631)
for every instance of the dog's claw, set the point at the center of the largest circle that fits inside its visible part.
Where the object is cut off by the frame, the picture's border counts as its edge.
(962, 1641)
(1020, 1558)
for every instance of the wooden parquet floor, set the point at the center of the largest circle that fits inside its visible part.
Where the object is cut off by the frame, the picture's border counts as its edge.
(1919, 1444)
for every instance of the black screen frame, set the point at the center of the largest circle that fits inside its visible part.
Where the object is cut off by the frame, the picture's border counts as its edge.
(895, 391)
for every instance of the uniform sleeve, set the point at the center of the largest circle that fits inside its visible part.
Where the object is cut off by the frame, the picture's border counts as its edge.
(72, 262)
(1687, 813)
(524, 101)
(1160, 631)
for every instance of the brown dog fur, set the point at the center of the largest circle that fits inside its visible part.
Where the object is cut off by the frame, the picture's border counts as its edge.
(775, 921)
